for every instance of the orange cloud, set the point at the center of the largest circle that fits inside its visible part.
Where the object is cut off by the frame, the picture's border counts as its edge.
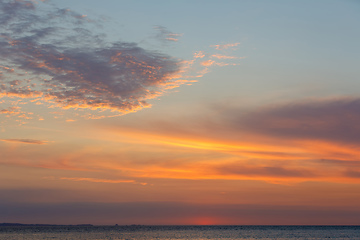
(172, 39)
(199, 54)
(249, 159)
(97, 180)
(21, 93)
(219, 56)
(225, 46)
(207, 63)
(187, 156)
(269, 144)
(165, 34)
(11, 111)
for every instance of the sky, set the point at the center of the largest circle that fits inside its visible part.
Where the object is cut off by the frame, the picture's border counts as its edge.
(180, 112)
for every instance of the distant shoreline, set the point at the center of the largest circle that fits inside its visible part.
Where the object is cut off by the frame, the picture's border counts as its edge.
(43, 225)
(160, 225)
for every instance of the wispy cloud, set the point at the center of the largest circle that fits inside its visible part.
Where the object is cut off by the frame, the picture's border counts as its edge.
(207, 63)
(199, 54)
(167, 35)
(202, 61)
(97, 180)
(219, 56)
(27, 141)
(225, 46)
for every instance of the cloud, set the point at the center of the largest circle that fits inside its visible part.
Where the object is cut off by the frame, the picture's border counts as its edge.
(165, 35)
(334, 120)
(267, 171)
(352, 174)
(207, 63)
(15, 112)
(289, 143)
(97, 180)
(225, 46)
(27, 141)
(206, 60)
(11, 111)
(219, 56)
(56, 57)
(199, 54)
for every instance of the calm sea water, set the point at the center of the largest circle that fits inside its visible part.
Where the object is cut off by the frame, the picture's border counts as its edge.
(179, 232)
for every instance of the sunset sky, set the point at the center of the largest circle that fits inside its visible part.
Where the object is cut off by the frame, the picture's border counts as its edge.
(180, 112)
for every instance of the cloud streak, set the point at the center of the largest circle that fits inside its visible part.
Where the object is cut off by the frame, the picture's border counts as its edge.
(97, 180)
(26, 141)
(225, 46)
(165, 35)
(219, 56)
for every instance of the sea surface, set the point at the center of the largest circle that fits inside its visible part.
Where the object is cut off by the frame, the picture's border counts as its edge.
(178, 232)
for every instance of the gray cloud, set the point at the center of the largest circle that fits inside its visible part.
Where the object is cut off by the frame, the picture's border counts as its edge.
(241, 170)
(352, 174)
(82, 69)
(334, 120)
(338, 162)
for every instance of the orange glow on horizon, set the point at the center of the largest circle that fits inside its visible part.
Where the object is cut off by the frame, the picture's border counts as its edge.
(204, 221)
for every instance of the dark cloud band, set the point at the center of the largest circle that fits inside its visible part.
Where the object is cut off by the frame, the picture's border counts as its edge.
(173, 213)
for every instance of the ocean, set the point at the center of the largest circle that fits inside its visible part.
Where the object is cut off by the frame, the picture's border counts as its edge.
(178, 232)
